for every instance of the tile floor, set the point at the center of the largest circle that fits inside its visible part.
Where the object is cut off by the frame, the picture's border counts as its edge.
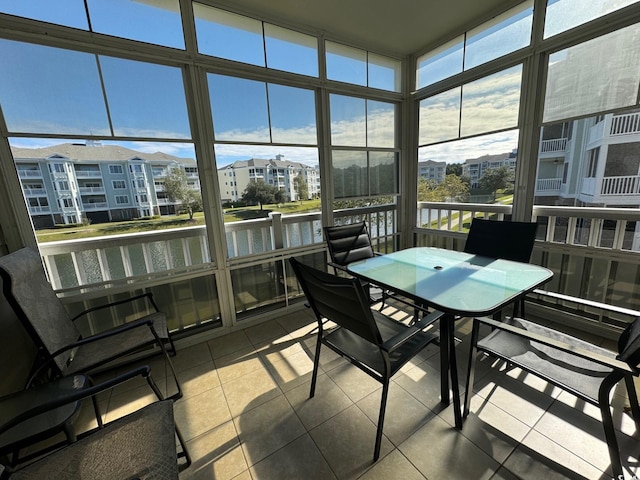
(246, 415)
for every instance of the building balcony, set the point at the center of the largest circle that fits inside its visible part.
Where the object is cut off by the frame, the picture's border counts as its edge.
(548, 186)
(30, 192)
(29, 173)
(91, 190)
(39, 210)
(95, 206)
(88, 174)
(556, 145)
(625, 124)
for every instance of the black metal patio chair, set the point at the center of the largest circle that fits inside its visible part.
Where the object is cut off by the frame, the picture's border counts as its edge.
(373, 342)
(139, 445)
(502, 239)
(585, 370)
(62, 349)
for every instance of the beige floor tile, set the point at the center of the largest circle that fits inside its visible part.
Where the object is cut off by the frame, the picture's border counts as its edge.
(538, 457)
(250, 391)
(347, 442)
(423, 382)
(300, 459)
(217, 454)
(404, 414)
(329, 400)
(123, 403)
(246, 475)
(438, 450)
(393, 466)
(353, 381)
(198, 379)
(267, 428)
(279, 348)
(299, 324)
(328, 358)
(191, 356)
(237, 364)
(265, 331)
(490, 428)
(291, 371)
(227, 344)
(200, 413)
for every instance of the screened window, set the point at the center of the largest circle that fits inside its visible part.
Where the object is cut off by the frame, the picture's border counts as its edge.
(70, 13)
(595, 76)
(122, 199)
(252, 111)
(359, 67)
(115, 169)
(119, 184)
(563, 15)
(489, 104)
(361, 122)
(504, 34)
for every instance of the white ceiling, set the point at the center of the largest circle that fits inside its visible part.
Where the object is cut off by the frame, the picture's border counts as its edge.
(399, 27)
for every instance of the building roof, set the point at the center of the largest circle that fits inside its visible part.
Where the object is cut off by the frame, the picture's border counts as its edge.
(96, 153)
(261, 163)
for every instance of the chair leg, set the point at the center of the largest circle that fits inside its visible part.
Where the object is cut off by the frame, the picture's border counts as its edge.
(178, 394)
(471, 368)
(316, 363)
(383, 408)
(607, 423)
(633, 399)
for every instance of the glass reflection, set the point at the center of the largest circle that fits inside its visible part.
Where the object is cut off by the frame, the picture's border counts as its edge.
(348, 121)
(381, 122)
(440, 117)
(349, 174)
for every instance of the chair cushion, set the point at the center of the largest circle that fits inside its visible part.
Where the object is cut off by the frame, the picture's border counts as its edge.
(140, 445)
(578, 375)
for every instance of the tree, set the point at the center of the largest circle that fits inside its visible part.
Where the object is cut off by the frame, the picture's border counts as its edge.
(454, 168)
(300, 184)
(178, 190)
(259, 192)
(495, 179)
(452, 189)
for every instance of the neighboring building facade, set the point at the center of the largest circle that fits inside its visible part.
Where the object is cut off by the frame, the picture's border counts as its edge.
(278, 172)
(475, 168)
(591, 162)
(432, 170)
(64, 184)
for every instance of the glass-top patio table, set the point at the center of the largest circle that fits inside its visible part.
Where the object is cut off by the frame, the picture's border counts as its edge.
(456, 283)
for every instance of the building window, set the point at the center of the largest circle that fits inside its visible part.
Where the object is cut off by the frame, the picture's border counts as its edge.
(592, 165)
(115, 169)
(122, 199)
(119, 184)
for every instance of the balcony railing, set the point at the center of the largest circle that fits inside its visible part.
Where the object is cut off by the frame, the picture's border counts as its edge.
(34, 191)
(554, 145)
(89, 190)
(627, 185)
(95, 205)
(38, 210)
(548, 185)
(625, 124)
(88, 174)
(29, 173)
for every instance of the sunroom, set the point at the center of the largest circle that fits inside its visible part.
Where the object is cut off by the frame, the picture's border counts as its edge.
(133, 131)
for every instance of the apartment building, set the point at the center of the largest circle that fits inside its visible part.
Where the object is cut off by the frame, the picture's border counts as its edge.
(432, 170)
(68, 183)
(278, 172)
(475, 168)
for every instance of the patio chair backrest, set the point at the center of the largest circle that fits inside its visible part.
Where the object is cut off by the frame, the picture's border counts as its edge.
(501, 239)
(29, 293)
(629, 344)
(348, 243)
(341, 300)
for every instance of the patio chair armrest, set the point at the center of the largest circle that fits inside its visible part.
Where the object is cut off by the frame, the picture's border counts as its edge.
(587, 303)
(147, 295)
(337, 266)
(398, 340)
(80, 394)
(562, 346)
(108, 333)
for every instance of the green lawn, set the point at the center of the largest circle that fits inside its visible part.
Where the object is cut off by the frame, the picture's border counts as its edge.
(170, 221)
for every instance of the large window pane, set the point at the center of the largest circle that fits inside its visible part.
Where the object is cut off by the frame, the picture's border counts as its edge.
(50, 90)
(440, 63)
(599, 75)
(350, 174)
(348, 121)
(227, 35)
(239, 108)
(156, 22)
(504, 34)
(565, 14)
(70, 13)
(291, 51)
(491, 103)
(293, 115)
(381, 123)
(440, 117)
(346, 64)
(154, 108)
